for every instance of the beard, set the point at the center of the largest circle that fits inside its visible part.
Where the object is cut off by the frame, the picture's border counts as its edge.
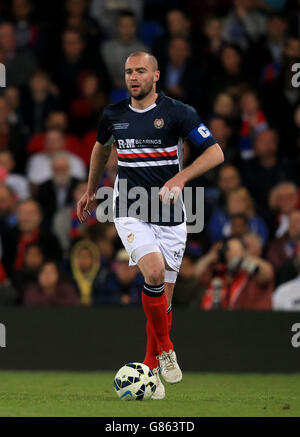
(143, 92)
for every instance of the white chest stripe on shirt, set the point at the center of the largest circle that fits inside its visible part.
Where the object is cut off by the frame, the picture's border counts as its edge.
(146, 150)
(148, 163)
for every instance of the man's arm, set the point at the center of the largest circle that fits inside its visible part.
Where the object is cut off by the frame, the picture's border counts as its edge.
(99, 158)
(209, 159)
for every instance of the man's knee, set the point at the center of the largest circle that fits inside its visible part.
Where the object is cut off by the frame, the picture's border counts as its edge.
(156, 276)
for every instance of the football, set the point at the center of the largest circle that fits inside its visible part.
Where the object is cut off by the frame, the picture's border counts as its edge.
(135, 381)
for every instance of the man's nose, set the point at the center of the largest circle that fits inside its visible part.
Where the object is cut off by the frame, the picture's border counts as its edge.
(133, 75)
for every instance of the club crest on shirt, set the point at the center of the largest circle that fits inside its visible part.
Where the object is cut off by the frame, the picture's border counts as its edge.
(130, 237)
(158, 123)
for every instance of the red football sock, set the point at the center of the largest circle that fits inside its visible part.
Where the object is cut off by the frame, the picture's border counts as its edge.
(152, 348)
(155, 309)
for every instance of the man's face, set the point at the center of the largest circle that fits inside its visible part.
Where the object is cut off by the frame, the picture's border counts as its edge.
(21, 9)
(266, 144)
(61, 171)
(127, 29)
(231, 60)
(235, 250)
(287, 199)
(57, 120)
(276, 28)
(177, 23)
(29, 217)
(219, 129)
(54, 141)
(140, 76)
(228, 179)
(294, 226)
(72, 45)
(179, 51)
(7, 38)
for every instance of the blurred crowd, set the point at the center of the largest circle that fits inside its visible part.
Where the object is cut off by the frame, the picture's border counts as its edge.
(230, 59)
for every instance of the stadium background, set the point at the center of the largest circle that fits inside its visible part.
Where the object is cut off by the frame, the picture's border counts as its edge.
(232, 61)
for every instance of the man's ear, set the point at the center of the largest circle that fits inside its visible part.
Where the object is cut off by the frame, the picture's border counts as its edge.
(156, 75)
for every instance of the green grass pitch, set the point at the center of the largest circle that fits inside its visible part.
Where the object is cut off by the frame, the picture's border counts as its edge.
(61, 394)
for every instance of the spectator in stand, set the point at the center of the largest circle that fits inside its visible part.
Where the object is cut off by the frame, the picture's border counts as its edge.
(294, 24)
(213, 43)
(74, 64)
(121, 287)
(84, 111)
(290, 269)
(12, 97)
(224, 106)
(239, 201)
(239, 225)
(125, 43)
(8, 294)
(12, 136)
(39, 168)
(101, 234)
(15, 181)
(26, 27)
(179, 73)
(229, 179)
(107, 13)
(283, 200)
(20, 64)
(178, 24)
(50, 289)
(283, 248)
(66, 225)
(85, 265)
(244, 25)
(253, 122)
(265, 57)
(57, 192)
(33, 261)
(254, 244)
(41, 99)
(220, 129)
(286, 96)
(28, 230)
(8, 206)
(231, 77)
(266, 169)
(287, 295)
(187, 290)
(58, 120)
(77, 17)
(233, 279)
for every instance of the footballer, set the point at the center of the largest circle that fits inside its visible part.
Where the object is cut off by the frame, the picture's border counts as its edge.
(148, 129)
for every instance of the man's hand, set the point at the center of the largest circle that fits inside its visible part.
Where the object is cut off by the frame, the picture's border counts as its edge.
(86, 205)
(172, 189)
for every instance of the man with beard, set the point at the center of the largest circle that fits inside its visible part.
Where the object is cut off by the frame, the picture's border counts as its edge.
(148, 129)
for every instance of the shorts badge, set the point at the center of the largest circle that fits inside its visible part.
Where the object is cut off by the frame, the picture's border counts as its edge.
(158, 123)
(130, 237)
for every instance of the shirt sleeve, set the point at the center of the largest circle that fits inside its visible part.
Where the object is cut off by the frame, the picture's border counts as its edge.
(192, 128)
(104, 135)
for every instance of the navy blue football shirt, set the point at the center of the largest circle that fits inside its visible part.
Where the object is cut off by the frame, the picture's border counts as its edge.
(150, 146)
